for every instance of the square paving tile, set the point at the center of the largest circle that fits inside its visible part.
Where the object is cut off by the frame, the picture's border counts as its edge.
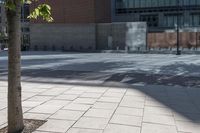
(133, 92)
(159, 119)
(31, 104)
(81, 130)
(91, 95)
(91, 123)
(35, 90)
(154, 103)
(75, 106)
(53, 92)
(133, 99)
(110, 99)
(114, 128)
(45, 109)
(132, 104)
(96, 89)
(116, 90)
(36, 116)
(104, 113)
(40, 98)
(67, 115)
(66, 97)
(113, 94)
(60, 126)
(157, 128)
(57, 102)
(129, 111)
(105, 105)
(157, 110)
(126, 120)
(3, 115)
(3, 105)
(85, 100)
(74, 92)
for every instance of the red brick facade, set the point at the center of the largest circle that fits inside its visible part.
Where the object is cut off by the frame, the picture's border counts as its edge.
(78, 11)
(169, 40)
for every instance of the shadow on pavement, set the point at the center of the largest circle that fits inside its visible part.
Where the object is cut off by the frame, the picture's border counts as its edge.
(178, 92)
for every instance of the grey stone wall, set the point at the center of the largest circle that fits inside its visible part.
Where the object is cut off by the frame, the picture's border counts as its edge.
(70, 37)
(88, 37)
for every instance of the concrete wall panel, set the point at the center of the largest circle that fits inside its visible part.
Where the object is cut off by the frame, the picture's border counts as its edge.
(63, 37)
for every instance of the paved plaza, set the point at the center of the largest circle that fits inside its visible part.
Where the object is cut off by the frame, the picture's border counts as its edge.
(108, 93)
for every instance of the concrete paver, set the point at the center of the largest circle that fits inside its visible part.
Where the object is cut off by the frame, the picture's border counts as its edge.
(129, 111)
(67, 97)
(91, 95)
(81, 130)
(157, 128)
(126, 120)
(159, 119)
(60, 126)
(107, 111)
(67, 115)
(127, 94)
(110, 99)
(75, 106)
(157, 110)
(36, 116)
(103, 113)
(114, 128)
(91, 123)
(105, 105)
(46, 109)
(85, 100)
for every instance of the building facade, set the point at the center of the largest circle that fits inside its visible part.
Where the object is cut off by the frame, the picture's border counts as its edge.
(159, 14)
(77, 11)
(25, 38)
(76, 24)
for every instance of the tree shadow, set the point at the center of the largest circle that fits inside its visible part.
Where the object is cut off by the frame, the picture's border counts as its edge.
(179, 92)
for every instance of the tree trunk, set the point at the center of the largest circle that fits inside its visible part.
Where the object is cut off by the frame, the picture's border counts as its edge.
(15, 115)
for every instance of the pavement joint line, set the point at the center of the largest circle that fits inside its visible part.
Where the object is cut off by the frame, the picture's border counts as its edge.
(79, 118)
(91, 108)
(143, 113)
(124, 125)
(115, 110)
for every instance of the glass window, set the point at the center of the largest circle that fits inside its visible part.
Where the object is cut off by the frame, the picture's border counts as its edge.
(186, 2)
(149, 3)
(154, 3)
(119, 4)
(172, 2)
(198, 2)
(192, 2)
(161, 2)
(171, 20)
(142, 3)
(137, 3)
(195, 20)
(131, 4)
(152, 20)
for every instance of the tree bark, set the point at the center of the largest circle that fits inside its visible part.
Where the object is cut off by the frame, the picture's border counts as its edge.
(15, 115)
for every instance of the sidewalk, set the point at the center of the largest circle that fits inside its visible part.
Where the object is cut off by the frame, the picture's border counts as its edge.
(90, 109)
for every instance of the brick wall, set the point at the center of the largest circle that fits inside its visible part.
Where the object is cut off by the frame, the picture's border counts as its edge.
(78, 11)
(169, 40)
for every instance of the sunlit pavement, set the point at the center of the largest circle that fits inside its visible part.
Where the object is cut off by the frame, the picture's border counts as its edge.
(108, 93)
